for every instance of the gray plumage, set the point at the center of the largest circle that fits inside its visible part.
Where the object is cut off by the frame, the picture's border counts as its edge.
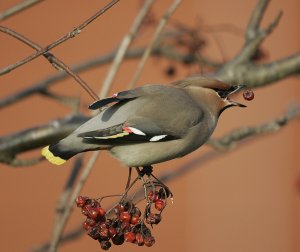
(151, 124)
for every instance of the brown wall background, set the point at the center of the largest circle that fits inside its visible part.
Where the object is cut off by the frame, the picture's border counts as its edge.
(246, 200)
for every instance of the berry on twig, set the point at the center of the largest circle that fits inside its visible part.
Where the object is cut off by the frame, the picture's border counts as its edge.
(126, 221)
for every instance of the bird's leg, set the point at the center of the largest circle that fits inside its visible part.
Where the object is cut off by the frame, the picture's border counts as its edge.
(141, 174)
(129, 178)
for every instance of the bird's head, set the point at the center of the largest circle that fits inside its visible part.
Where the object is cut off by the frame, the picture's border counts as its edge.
(211, 93)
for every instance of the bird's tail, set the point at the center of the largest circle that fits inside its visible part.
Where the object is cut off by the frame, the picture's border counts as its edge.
(51, 158)
(56, 155)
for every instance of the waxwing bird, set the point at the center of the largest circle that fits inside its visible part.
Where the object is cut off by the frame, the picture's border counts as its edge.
(150, 124)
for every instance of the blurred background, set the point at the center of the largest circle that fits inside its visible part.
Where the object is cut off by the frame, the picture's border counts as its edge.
(247, 199)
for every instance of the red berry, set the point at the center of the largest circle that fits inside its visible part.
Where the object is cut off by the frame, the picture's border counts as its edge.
(248, 95)
(86, 210)
(93, 213)
(94, 233)
(136, 211)
(81, 200)
(103, 232)
(86, 226)
(123, 206)
(153, 218)
(112, 231)
(91, 222)
(129, 237)
(159, 204)
(105, 245)
(101, 211)
(103, 225)
(135, 219)
(139, 239)
(149, 241)
(125, 226)
(125, 216)
(153, 196)
(118, 239)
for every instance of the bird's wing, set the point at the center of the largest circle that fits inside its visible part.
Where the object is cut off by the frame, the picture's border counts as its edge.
(117, 97)
(146, 131)
(150, 113)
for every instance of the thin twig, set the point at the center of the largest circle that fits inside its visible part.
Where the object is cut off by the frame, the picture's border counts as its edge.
(154, 38)
(61, 222)
(57, 42)
(62, 202)
(18, 8)
(230, 140)
(255, 19)
(29, 139)
(138, 21)
(236, 69)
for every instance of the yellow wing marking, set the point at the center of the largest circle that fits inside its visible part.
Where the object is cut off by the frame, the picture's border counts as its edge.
(124, 133)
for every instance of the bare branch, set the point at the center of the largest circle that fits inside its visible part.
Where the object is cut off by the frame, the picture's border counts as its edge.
(154, 38)
(59, 227)
(161, 51)
(57, 42)
(124, 46)
(261, 75)
(63, 208)
(255, 19)
(230, 140)
(68, 186)
(251, 46)
(72, 102)
(18, 8)
(241, 70)
(12, 145)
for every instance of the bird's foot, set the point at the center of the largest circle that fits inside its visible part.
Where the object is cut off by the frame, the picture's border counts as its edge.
(146, 170)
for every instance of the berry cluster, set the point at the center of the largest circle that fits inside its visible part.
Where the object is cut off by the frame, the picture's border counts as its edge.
(125, 222)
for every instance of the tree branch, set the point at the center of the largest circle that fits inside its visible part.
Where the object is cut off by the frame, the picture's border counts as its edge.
(160, 51)
(256, 18)
(163, 21)
(18, 8)
(12, 145)
(254, 75)
(241, 70)
(230, 140)
(57, 42)
(126, 41)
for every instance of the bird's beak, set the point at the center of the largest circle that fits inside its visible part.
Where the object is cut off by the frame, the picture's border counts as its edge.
(233, 90)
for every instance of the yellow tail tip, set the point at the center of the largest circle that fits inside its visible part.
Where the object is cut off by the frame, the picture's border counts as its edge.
(51, 158)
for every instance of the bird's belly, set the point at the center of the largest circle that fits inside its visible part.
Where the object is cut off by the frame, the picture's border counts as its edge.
(145, 154)
(150, 153)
